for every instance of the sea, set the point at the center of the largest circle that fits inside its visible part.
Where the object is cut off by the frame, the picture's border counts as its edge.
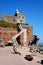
(40, 44)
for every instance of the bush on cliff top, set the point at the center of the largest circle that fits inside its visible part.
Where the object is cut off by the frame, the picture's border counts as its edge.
(7, 24)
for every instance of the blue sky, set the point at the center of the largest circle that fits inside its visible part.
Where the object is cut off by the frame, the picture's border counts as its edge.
(33, 10)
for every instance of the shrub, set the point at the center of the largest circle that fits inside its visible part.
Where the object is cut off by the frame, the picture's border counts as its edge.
(7, 24)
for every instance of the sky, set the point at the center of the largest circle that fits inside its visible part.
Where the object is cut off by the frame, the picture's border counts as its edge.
(33, 9)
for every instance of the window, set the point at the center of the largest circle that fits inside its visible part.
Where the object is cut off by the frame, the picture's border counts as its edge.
(23, 16)
(19, 16)
(21, 21)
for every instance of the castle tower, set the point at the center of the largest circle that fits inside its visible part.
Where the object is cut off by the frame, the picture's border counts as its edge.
(21, 18)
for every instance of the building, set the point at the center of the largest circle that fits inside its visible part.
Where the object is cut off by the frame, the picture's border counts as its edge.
(17, 18)
(7, 33)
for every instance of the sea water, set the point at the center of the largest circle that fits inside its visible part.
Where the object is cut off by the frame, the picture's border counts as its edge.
(40, 44)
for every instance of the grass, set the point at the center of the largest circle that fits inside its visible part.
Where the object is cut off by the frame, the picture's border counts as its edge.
(7, 24)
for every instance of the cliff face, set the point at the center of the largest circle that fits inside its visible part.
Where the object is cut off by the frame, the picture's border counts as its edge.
(29, 33)
(35, 40)
(6, 34)
(8, 29)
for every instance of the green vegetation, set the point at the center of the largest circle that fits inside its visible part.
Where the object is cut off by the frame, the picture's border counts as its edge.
(7, 24)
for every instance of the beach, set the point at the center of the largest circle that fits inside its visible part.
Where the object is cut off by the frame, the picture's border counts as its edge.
(7, 56)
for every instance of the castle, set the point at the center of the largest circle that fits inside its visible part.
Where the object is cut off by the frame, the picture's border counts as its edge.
(17, 18)
(6, 34)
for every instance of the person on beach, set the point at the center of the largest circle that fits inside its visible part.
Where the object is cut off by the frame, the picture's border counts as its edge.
(15, 50)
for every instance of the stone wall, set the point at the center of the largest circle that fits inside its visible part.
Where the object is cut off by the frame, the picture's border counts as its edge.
(10, 19)
(20, 18)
